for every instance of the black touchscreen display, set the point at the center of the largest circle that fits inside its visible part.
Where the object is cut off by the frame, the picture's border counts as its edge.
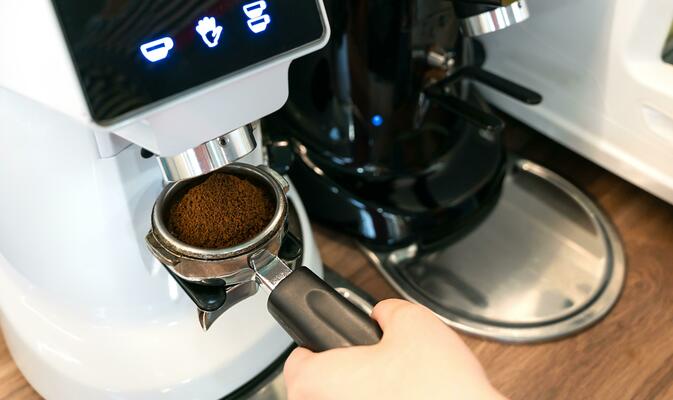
(132, 53)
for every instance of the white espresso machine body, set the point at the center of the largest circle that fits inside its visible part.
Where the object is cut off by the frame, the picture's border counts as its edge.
(608, 93)
(87, 312)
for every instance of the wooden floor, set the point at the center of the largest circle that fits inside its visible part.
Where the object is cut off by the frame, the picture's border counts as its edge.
(629, 355)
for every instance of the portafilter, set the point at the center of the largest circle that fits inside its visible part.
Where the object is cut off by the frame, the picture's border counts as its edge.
(311, 312)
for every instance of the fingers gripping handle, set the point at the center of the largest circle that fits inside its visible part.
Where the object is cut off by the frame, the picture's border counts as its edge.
(314, 314)
(317, 317)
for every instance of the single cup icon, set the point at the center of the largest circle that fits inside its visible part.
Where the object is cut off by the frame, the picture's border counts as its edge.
(157, 50)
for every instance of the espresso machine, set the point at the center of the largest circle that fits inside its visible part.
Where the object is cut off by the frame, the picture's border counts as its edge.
(615, 107)
(92, 94)
(395, 146)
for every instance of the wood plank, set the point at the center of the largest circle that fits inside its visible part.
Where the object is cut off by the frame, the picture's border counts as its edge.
(12, 384)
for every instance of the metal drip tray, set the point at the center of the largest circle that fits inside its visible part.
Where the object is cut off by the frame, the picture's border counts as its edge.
(546, 263)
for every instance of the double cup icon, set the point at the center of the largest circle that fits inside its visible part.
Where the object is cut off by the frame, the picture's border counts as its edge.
(257, 19)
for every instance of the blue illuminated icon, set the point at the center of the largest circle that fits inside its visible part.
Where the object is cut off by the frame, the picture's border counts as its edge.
(257, 20)
(209, 30)
(377, 120)
(157, 50)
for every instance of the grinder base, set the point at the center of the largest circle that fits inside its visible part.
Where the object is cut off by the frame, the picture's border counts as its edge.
(545, 264)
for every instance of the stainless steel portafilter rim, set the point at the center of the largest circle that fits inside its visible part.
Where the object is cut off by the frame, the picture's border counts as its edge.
(262, 174)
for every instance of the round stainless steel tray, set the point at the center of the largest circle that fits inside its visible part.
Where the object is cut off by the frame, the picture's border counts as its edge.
(545, 264)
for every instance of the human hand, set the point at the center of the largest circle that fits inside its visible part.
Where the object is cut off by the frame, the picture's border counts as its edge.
(418, 358)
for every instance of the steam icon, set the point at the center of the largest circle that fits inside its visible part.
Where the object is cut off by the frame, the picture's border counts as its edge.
(257, 20)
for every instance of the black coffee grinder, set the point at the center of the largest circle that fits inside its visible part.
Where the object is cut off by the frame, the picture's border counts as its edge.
(394, 145)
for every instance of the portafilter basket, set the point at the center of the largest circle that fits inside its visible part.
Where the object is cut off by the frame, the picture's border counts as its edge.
(231, 265)
(312, 312)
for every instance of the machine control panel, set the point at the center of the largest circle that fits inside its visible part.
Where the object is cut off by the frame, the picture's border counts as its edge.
(131, 54)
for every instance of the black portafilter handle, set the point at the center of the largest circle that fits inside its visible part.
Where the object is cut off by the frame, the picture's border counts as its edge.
(317, 317)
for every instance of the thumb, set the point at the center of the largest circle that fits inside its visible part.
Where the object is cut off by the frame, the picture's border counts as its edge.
(383, 312)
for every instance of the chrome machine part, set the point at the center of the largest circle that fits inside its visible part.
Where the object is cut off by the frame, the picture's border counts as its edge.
(445, 60)
(496, 19)
(209, 156)
(231, 264)
(269, 269)
(545, 264)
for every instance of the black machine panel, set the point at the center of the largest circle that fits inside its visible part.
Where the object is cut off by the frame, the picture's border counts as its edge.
(132, 53)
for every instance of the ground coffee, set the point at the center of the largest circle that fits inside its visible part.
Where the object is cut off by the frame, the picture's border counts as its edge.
(222, 211)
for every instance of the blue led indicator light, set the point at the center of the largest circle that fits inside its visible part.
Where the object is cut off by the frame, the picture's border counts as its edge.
(209, 30)
(157, 50)
(257, 20)
(377, 120)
